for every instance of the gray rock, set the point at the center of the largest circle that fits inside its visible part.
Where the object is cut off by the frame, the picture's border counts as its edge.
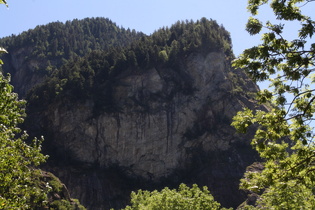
(160, 132)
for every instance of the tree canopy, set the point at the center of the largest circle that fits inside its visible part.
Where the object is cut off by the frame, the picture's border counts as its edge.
(91, 76)
(52, 44)
(185, 198)
(285, 136)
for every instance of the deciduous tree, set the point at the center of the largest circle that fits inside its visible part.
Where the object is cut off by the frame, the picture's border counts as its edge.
(19, 180)
(285, 137)
(184, 198)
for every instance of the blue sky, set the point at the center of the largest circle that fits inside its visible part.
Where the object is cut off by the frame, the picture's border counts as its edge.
(141, 15)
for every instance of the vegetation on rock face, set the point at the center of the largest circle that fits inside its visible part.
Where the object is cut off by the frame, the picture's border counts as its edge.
(39, 52)
(285, 137)
(93, 75)
(57, 42)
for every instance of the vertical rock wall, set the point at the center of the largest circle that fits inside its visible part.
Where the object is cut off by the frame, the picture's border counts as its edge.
(172, 126)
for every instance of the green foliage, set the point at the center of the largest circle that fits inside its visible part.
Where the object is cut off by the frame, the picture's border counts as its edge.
(163, 56)
(184, 198)
(93, 75)
(2, 50)
(66, 205)
(284, 138)
(18, 178)
(53, 44)
(55, 183)
(3, 2)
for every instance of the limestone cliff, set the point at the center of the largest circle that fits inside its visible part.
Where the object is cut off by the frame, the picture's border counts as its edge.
(160, 134)
(151, 111)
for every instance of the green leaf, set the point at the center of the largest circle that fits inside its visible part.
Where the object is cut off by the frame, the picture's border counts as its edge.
(253, 26)
(284, 137)
(4, 2)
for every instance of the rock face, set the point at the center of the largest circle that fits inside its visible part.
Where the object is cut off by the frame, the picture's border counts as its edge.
(23, 72)
(159, 135)
(124, 111)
